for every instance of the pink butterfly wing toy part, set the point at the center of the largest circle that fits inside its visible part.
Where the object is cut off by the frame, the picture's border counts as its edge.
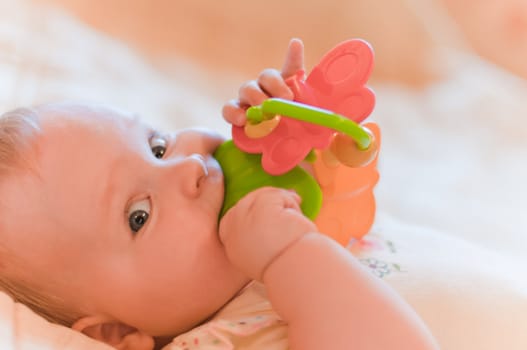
(337, 83)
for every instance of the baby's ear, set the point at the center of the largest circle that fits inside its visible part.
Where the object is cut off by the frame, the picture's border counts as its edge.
(114, 333)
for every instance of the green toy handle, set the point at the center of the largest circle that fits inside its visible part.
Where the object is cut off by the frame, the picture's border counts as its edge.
(319, 116)
(243, 173)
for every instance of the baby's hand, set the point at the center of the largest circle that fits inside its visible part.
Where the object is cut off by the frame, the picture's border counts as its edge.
(270, 83)
(260, 227)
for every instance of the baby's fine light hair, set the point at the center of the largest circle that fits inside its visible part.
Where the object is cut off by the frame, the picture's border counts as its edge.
(18, 128)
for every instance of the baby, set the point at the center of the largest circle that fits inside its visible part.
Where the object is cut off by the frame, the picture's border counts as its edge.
(111, 227)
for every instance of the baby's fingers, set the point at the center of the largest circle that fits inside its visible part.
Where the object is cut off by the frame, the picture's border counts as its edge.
(269, 201)
(272, 83)
(292, 200)
(294, 59)
(233, 113)
(252, 94)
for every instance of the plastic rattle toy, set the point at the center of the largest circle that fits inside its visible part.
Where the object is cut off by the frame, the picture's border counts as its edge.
(322, 123)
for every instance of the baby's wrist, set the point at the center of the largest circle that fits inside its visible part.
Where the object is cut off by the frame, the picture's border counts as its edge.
(254, 259)
(277, 256)
(288, 263)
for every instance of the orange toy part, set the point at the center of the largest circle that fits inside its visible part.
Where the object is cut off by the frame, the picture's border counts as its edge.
(348, 203)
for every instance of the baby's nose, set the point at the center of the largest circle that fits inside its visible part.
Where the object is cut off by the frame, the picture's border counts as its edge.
(192, 170)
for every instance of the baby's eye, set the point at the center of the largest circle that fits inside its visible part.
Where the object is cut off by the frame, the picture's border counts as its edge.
(138, 214)
(158, 145)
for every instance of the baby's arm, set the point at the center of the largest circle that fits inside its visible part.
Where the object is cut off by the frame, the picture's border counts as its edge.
(327, 298)
(331, 302)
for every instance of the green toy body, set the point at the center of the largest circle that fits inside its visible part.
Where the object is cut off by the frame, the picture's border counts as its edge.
(243, 173)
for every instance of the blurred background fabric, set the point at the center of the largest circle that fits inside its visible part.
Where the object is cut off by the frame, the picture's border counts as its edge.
(239, 35)
(450, 79)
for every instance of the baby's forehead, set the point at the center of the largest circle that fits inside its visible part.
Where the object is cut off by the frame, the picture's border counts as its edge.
(84, 115)
(68, 120)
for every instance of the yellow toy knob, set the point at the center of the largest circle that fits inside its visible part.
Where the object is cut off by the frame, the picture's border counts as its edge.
(346, 151)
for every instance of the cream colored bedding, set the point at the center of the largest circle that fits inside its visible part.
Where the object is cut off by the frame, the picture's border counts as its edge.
(451, 233)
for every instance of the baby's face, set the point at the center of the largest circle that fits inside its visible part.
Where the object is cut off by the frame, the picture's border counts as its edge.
(126, 218)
